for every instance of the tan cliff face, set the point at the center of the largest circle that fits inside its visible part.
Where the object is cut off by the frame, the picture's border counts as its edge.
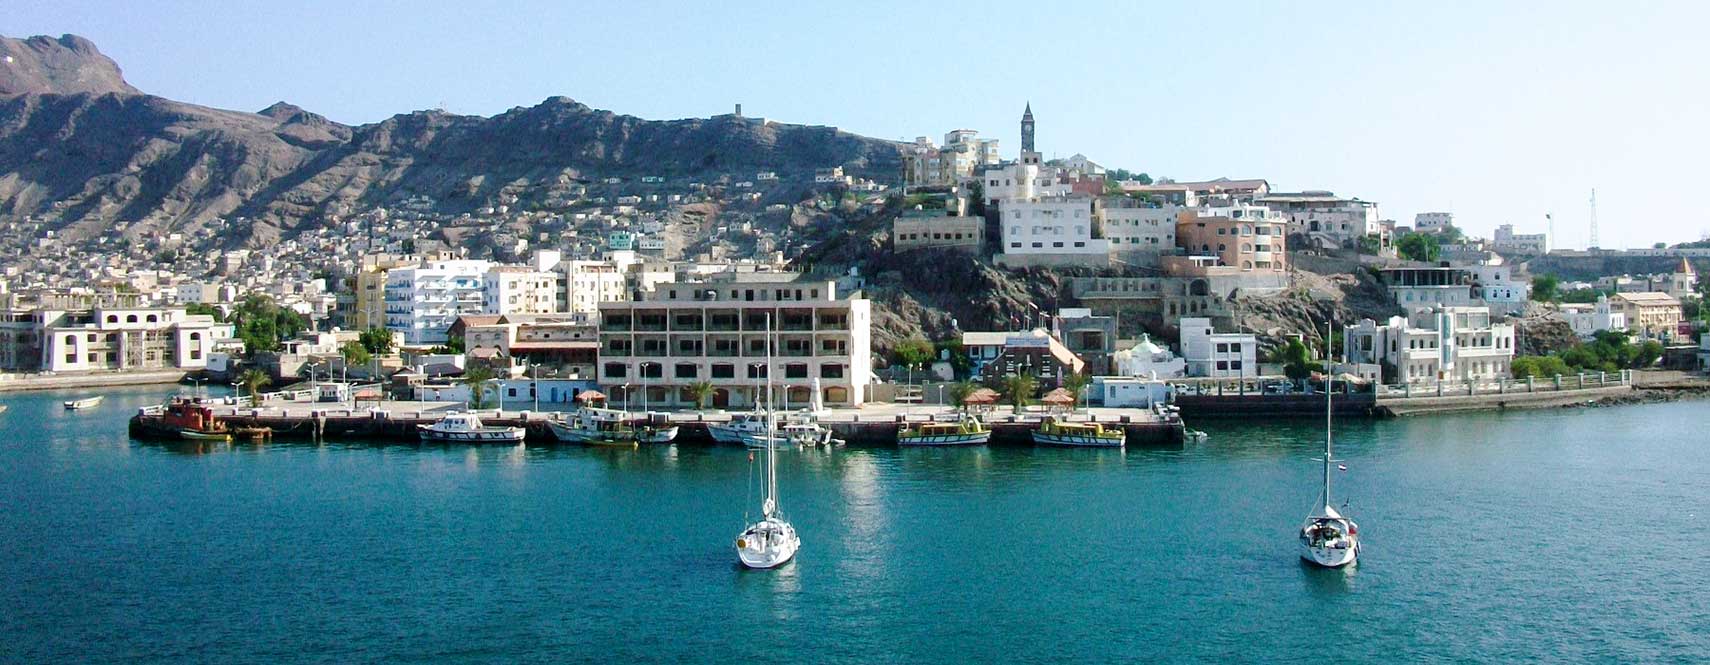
(81, 150)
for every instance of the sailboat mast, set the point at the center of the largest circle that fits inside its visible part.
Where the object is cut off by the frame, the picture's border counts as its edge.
(1329, 394)
(771, 424)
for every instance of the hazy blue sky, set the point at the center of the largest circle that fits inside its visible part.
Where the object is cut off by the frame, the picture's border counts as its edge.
(1495, 112)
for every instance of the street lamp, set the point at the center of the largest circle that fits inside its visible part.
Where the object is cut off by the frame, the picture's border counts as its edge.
(534, 383)
(643, 368)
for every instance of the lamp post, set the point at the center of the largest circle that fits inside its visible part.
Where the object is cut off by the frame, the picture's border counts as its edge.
(643, 368)
(534, 383)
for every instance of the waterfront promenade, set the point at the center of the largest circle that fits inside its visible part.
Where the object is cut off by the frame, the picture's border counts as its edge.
(10, 383)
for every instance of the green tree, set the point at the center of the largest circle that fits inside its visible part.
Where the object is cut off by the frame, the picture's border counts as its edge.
(453, 345)
(1646, 354)
(262, 324)
(1297, 360)
(252, 380)
(1370, 244)
(1539, 367)
(205, 309)
(1018, 389)
(912, 352)
(1077, 383)
(960, 391)
(476, 378)
(1418, 247)
(354, 353)
(701, 392)
(1450, 235)
(377, 340)
(1545, 288)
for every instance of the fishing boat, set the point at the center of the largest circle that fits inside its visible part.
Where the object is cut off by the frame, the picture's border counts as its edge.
(772, 541)
(85, 403)
(1327, 538)
(967, 431)
(467, 428)
(194, 420)
(647, 432)
(1054, 432)
(742, 428)
(595, 427)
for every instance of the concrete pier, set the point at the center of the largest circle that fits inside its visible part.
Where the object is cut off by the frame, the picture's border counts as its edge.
(872, 425)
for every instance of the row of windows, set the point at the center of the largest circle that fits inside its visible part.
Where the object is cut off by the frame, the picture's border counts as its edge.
(936, 236)
(720, 371)
(1040, 245)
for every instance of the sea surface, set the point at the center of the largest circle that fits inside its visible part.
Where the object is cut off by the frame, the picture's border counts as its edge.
(1574, 535)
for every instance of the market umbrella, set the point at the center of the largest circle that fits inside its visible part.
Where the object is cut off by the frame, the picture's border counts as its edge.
(588, 396)
(1058, 397)
(981, 396)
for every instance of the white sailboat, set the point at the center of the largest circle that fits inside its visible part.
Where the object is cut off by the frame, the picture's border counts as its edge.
(1327, 538)
(772, 541)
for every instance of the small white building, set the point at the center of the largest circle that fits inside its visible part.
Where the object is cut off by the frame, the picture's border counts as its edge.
(1129, 392)
(1449, 344)
(1051, 230)
(1587, 319)
(1219, 355)
(1506, 240)
(1148, 360)
(1433, 222)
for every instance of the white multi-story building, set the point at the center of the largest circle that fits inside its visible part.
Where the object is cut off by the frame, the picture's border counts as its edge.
(1330, 219)
(1449, 344)
(718, 331)
(1433, 222)
(1506, 240)
(1218, 355)
(110, 339)
(1587, 319)
(589, 283)
(423, 301)
(1498, 287)
(1054, 230)
(1138, 231)
(519, 290)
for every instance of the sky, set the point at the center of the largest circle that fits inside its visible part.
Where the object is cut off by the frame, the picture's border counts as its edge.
(1497, 112)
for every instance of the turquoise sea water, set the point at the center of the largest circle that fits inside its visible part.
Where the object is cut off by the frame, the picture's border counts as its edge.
(1561, 536)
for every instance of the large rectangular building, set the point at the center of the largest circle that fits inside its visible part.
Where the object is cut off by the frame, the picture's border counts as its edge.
(104, 339)
(717, 331)
(1449, 344)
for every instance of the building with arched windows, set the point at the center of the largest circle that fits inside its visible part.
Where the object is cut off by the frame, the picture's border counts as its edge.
(103, 339)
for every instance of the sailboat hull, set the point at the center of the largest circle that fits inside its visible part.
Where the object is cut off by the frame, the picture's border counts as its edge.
(767, 544)
(1330, 557)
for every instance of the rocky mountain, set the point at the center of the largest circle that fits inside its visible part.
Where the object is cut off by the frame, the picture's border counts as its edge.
(66, 66)
(80, 149)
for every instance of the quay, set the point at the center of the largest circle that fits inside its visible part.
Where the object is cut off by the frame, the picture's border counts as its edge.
(871, 425)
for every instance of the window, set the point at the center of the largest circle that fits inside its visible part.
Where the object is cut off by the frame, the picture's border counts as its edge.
(1222, 364)
(616, 370)
(652, 371)
(795, 371)
(685, 371)
(723, 371)
(757, 371)
(831, 371)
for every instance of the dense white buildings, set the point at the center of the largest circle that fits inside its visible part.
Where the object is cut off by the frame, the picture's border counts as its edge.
(589, 283)
(1448, 344)
(1054, 230)
(519, 290)
(1219, 355)
(717, 331)
(1137, 231)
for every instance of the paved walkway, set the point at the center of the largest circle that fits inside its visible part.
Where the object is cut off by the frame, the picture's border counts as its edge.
(23, 382)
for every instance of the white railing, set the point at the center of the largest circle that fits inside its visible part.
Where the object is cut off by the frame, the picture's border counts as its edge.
(1581, 381)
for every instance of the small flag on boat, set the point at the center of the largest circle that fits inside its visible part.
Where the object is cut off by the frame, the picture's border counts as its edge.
(1341, 467)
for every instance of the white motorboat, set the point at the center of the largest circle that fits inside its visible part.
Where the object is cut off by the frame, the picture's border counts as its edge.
(651, 434)
(85, 403)
(772, 541)
(967, 431)
(1327, 538)
(740, 426)
(466, 428)
(595, 427)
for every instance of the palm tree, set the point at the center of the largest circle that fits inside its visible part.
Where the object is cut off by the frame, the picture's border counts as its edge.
(701, 392)
(1076, 383)
(252, 380)
(476, 378)
(1019, 389)
(960, 391)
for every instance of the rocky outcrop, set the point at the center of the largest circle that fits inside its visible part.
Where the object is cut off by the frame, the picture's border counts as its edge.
(68, 65)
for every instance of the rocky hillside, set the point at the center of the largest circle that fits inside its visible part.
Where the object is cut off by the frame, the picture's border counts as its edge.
(81, 149)
(65, 66)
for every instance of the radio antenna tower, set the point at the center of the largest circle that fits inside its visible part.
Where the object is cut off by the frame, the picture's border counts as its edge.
(1593, 218)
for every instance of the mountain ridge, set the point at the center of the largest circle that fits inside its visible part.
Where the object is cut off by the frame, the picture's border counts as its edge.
(81, 149)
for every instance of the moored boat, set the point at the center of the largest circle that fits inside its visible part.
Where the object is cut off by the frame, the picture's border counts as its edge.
(595, 427)
(85, 403)
(968, 431)
(1054, 432)
(467, 428)
(1327, 538)
(736, 431)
